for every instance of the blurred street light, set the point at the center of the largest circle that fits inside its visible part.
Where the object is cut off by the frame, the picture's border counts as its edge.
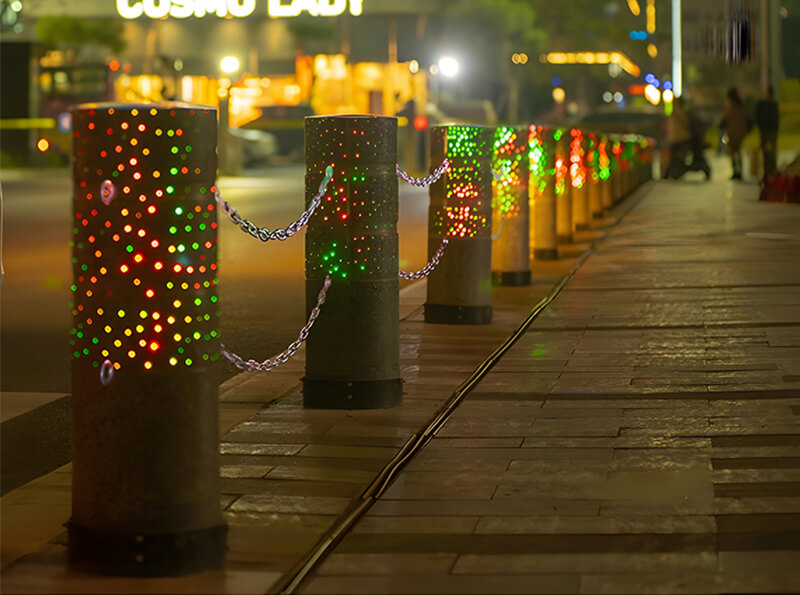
(229, 64)
(448, 66)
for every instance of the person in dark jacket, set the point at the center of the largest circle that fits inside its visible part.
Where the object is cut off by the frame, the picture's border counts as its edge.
(735, 122)
(767, 120)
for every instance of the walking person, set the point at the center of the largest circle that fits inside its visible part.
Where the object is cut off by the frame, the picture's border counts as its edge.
(767, 120)
(736, 127)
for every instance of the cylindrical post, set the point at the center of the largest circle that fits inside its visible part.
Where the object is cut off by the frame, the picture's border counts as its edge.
(593, 190)
(145, 483)
(605, 168)
(563, 188)
(353, 351)
(542, 194)
(511, 263)
(459, 289)
(578, 181)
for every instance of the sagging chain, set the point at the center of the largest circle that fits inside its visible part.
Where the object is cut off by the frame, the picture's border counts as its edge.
(499, 227)
(264, 234)
(427, 180)
(252, 365)
(428, 268)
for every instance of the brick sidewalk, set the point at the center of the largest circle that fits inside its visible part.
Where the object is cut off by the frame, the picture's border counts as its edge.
(642, 436)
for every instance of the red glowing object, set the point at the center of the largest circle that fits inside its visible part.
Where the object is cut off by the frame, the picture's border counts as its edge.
(420, 123)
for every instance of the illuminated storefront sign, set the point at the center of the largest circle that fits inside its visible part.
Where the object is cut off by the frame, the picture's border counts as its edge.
(317, 8)
(182, 9)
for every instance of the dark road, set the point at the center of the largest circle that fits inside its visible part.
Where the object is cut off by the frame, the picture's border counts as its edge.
(261, 286)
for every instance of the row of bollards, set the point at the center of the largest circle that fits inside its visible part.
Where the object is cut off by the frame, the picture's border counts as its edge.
(144, 252)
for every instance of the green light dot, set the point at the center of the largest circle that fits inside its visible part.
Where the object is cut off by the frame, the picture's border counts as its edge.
(170, 189)
(173, 230)
(73, 287)
(84, 267)
(80, 335)
(214, 334)
(170, 132)
(95, 340)
(206, 317)
(76, 354)
(195, 246)
(174, 149)
(190, 216)
(179, 210)
(188, 361)
(86, 351)
(202, 189)
(181, 350)
(197, 301)
(181, 248)
(129, 248)
(196, 335)
(187, 228)
(214, 299)
(173, 171)
(188, 149)
(95, 364)
(74, 259)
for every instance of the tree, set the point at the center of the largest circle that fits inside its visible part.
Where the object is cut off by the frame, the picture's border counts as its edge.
(72, 33)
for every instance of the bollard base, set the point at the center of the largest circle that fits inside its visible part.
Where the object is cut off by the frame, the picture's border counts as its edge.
(513, 279)
(146, 555)
(446, 314)
(581, 226)
(564, 239)
(545, 254)
(355, 394)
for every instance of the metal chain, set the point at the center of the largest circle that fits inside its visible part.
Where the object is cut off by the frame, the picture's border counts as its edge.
(252, 365)
(264, 234)
(428, 268)
(427, 180)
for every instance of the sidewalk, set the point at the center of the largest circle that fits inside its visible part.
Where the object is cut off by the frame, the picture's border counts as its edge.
(643, 435)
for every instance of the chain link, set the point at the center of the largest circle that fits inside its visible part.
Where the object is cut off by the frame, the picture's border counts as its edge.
(428, 268)
(264, 234)
(427, 180)
(252, 365)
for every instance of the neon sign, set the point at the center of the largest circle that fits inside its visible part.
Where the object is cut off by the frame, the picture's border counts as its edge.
(317, 8)
(181, 9)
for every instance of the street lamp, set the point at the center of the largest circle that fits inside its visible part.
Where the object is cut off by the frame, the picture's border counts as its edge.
(229, 64)
(448, 66)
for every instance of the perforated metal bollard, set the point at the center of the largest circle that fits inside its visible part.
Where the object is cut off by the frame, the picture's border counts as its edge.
(511, 263)
(563, 188)
(542, 193)
(459, 289)
(593, 187)
(353, 351)
(578, 180)
(145, 492)
(606, 165)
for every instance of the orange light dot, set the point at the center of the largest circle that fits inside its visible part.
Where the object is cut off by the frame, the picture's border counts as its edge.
(43, 145)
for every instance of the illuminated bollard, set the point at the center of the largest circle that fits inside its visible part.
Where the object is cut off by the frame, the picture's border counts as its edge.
(511, 263)
(604, 172)
(542, 194)
(578, 181)
(145, 475)
(353, 352)
(593, 188)
(460, 288)
(563, 188)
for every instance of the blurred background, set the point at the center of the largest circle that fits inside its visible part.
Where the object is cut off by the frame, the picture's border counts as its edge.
(607, 64)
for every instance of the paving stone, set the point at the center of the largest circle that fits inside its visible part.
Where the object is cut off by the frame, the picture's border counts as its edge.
(581, 563)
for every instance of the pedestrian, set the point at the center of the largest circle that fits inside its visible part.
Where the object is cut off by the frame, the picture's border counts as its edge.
(685, 134)
(767, 120)
(736, 127)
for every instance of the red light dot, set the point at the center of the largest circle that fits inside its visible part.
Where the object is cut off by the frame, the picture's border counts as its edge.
(124, 268)
(103, 154)
(118, 148)
(149, 293)
(91, 239)
(213, 266)
(190, 269)
(93, 279)
(142, 127)
(141, 233)
(115, 237)
(138, 258)
(109, 131)
(154, 346)
(91, 125)
(159, 193)
(158, 265)
(154, 243)
(151, 209)
(177, 268)
(343, 216)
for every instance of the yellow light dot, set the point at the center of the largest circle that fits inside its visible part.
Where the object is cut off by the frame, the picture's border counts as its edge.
(128, 332)
(142, 343)
(100, 311)
(117, 343)
(139, 328)
(156, 174)
(171, 249)
(142, 314)
(89, 293)
(148, 365)
(131, 354)
(170, 320)
(187, 319)
(107, 329)
(134, 142)
(145, 151)
(184, 285)
(104, 353)
(124, 212)
(153, 111)
(103, 270)
(137, 282)
(134, 112)
(176, 337)
(117, 365)
(176, 304)
(156, 315)
(121, 313)
(173, 361)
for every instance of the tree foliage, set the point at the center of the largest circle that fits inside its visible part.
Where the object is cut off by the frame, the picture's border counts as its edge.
(65, 31)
